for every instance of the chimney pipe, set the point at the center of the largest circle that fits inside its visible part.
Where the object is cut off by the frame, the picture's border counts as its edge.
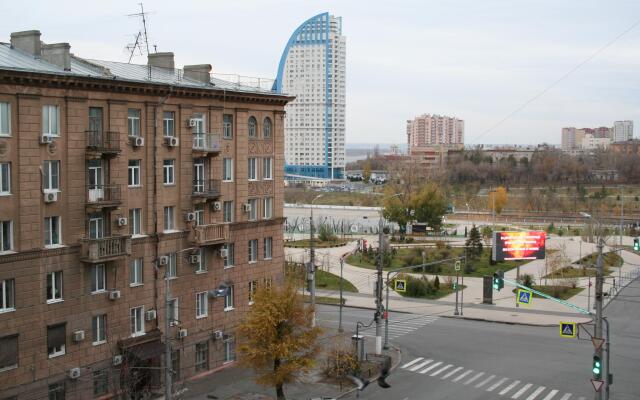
(57, 54)
(198, 72)
(162, 60)
(28, 41)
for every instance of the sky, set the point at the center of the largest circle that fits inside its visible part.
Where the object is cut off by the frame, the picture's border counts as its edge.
(476, 60)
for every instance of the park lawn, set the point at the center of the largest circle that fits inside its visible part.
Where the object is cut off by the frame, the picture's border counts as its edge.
(575, 272)
(305, 243)
(329, 281)
(560, 292)
(324, 300)
(443, 291)
(610, 259)
(477, 267)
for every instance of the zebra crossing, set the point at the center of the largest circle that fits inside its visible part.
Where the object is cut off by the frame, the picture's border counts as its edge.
(399, 327)
(502, 386)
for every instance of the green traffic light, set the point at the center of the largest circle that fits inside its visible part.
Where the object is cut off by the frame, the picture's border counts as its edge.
(596, 366)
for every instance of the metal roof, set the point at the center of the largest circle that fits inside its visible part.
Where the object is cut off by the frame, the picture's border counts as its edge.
(16, 59)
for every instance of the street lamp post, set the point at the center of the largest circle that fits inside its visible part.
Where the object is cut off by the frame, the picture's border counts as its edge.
(312, 266)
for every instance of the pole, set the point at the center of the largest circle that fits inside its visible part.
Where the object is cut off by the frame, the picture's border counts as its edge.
(378, 312)
(167, 340)
(599, 279)
(455, 312)
(386, 320)
(621, 223)
(607, 367)
(462, 293)
(312, 270)
(340, 318)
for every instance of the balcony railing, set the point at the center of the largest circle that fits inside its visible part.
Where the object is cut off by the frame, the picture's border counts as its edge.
(206, 142)
(208, 188)
(104, 195)
(105, 249)
(211, 234)
(103, 142)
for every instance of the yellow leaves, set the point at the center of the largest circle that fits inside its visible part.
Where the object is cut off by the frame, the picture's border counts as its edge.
(498, 199)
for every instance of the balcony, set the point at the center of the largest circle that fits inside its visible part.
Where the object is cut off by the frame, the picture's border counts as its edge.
(103, 143)
(207, 235)
(206, 143)
(206, 188)
(103, 196)
(105, 249)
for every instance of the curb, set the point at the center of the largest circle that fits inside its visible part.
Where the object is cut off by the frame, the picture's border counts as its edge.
(497, 322)
(362, 307)
(393, 367)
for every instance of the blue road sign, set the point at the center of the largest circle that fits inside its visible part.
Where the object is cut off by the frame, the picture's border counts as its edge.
(524, 297)
(568, 329)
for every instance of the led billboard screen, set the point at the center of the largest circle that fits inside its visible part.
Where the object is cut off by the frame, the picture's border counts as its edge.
(518, 245)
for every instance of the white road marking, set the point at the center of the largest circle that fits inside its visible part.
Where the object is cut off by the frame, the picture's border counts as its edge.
(536, 392)
(451, 373)
(506, 390)
(410, 363)
(522, 390)
(424, 371)
(551, 394)
(495, 385)
(566, 396)
(484, 382)
(475, 377)
(462, 376)
(418, 366)
(446, 367)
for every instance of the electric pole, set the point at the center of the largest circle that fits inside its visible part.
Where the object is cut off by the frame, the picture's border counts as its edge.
(379, 310)
(598, 330)
(312, 270)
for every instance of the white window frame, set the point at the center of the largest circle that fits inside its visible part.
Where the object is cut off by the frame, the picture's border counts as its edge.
(253, 213)
(50, 128)
(134, 177)
(48, 221)
(136, 270)
(98, 272)
(227, 169)
(201, 267)
(99, 329)
(198, 210)
(268, 248)
(230, 260)
(229, 351)
(57, 351)
(252, 169)
(55, 277)
(202, 305)
(253, 286)
(5, 109)
(169, 172)
(174, 310)
(169, 123)
(169, 219)
(172, 266)
(228, 299)
(4, 224)
(5, 184)
(267, 169)
(252, 251)
(135, 222)
(8, 298)
(48, 174)
(267, 208)
(227, 126)
(136, 319)
(228, 211)
(134, 126)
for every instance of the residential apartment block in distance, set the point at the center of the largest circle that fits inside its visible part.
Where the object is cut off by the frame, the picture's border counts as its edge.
(130, 196)
(430, 130)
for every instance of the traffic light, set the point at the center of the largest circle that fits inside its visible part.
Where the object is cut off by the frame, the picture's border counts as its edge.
(636, 244)
(597, 367)
(498, 280)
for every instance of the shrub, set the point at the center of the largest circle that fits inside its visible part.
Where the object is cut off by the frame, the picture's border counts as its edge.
(325, 233)
(436, 283)
(527, 280)
(340, 361)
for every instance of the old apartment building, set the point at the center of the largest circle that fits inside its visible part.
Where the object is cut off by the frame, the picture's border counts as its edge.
(118, 181)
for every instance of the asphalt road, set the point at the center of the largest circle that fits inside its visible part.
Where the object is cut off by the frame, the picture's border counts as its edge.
(445, 358)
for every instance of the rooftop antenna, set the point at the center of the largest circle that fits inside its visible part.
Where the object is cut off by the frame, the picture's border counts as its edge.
(141, 43)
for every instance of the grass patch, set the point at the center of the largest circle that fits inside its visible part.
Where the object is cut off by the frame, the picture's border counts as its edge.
(575, 272)
(324, 300)
(560, 292)
(329, 281)
(477, 267)
(305, 243)
(610, 259)
(423, 288)
(302, 196)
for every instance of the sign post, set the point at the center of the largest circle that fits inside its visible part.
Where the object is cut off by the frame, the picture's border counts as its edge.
(524, 297)
(457, 268)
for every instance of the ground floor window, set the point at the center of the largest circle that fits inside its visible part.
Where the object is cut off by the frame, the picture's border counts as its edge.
(202, 356)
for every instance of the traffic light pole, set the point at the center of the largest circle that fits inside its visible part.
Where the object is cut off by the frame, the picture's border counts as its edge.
(379, 311)
(598, 328)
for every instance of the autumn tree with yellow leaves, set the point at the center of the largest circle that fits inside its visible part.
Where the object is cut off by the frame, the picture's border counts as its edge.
(498, 199)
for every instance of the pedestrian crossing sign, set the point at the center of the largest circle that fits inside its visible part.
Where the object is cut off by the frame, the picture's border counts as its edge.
(568, 329)
(524, 297)
(400, 285)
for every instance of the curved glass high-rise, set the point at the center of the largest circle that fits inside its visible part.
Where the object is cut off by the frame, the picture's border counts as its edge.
(312, 68)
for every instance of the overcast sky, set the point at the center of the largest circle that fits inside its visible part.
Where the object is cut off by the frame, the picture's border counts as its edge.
(478, 60)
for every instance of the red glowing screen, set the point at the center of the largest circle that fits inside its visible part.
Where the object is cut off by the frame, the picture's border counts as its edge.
(528, 245)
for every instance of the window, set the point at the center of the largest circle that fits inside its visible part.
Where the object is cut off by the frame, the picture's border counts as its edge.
(135, 272)
(228, 299)
(230, 259)
(253, 286)
(6, 236)
(169, 223)
(175, 365)
(267, 168)
(253, 127)
(229, 351)
(268, 208)
(169, 172)
(98, 278)
(99, 328)
(8, 352)
(52, 231)
(227, 169)
(173, 312)
(253, 250)
(227, 211)
(268, 282)
(7, 295)
(95, 124)
(56, 391)
(135, 221)
(169, 124)
(56, 340)
(253, 212)
(100, 382)
(54, 286)
(50, 120)
(134, 173)
(198, 175)
(51, 178)
(133, 122)
(252, 169)
(266, 128)
(172, 267)
(227, 126)
(5, 178)
(202, 356)
(5, 119)
(201, 266)
(198, 119)
(201, 305)
(198, 210)
(268, 247)
(137, 321)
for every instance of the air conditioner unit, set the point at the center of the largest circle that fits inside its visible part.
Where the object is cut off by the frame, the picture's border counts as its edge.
(182, 333)
(163, 260)
(218, 335)
(46, 139)
(74, 373)
(224, 253)
(246, 207)
(78, 336)
(117, 359)
(194, 258)
(150, 315)
(190, 217)
(172, 141)
(192, 122)
(122, 221)
(114, 295)
(50, 197)
(217, 206)
(137, 141)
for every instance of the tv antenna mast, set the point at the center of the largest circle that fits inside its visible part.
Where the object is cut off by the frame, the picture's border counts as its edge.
(141, 43)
